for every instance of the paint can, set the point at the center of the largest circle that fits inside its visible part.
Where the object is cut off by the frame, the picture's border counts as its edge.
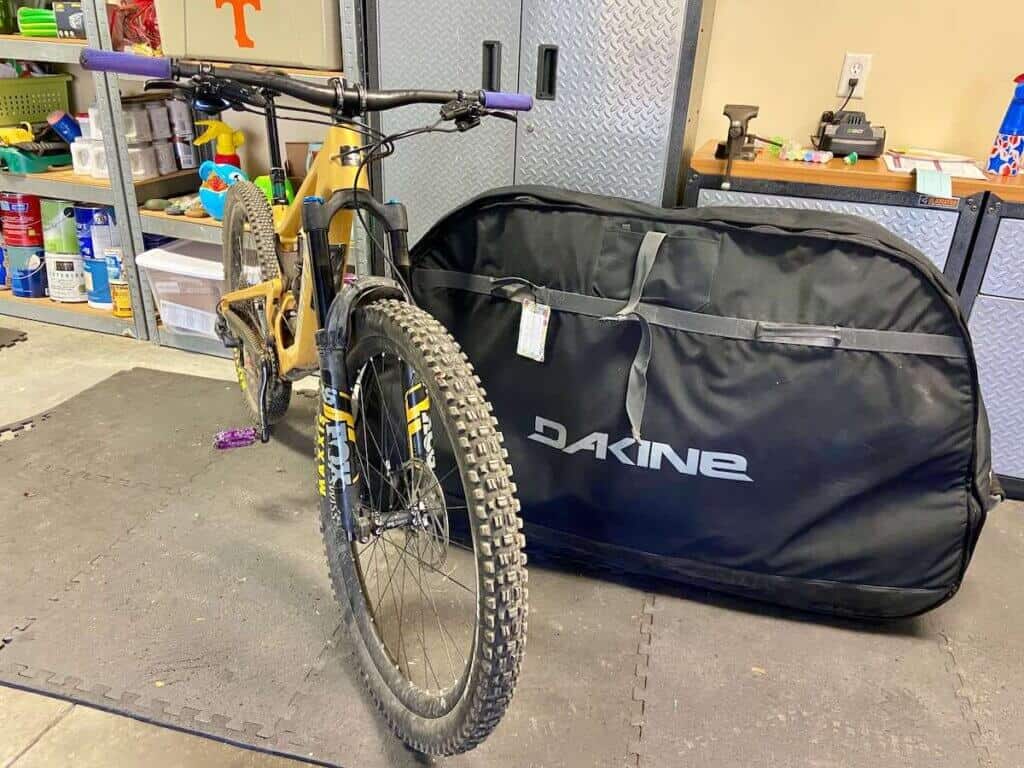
(21, 219)
(112, 261)
(29, 281)
(97, 284)
(96, 229)
(59, 232)
(65, 274)
(121, 298)
(17, 257)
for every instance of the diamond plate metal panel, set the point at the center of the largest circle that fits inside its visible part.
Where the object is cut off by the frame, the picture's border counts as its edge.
(930, 231)
(1004, 275)
(607, 129)
(439, 45)
(997, 328)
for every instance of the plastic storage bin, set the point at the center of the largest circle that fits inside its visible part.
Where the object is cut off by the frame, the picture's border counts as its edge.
(32, 99)
(186, 280)
(298, 33)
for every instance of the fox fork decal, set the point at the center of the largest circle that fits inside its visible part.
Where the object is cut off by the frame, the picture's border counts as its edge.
(417, 417)
(337, 480)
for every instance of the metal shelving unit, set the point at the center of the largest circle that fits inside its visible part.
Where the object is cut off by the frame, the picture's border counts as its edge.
(124, 195)
(65, 185)
(180, 227)
(40, 49)
(72, 315)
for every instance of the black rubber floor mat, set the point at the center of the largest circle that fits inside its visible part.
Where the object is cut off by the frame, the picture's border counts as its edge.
(158, 577)
(9, 337)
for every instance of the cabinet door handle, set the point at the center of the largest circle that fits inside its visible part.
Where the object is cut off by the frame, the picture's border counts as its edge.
(491, 74)
(547, 72)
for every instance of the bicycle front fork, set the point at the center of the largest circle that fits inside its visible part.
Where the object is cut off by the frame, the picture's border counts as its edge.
(338, 481)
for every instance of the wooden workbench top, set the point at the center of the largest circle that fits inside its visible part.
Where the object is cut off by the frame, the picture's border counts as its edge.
(866, 174)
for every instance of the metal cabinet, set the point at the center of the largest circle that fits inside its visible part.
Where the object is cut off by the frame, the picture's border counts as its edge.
(992, 295)
(615, 83)
(942, 234)
(609, 119)
(443, 45)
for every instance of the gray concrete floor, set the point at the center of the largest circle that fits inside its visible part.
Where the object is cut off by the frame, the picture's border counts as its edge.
(52, 365)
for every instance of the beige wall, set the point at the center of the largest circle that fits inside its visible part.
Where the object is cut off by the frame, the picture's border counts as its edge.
(939, 76)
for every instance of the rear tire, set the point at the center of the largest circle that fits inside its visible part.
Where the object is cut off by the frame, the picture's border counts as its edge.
(457, 718)
(247, 211)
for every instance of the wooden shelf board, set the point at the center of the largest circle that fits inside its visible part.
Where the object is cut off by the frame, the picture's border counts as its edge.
(869, 173)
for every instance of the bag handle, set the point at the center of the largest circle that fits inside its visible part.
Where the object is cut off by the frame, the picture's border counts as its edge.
(636, 387)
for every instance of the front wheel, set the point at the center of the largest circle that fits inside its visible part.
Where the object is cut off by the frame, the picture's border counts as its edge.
(433, 589)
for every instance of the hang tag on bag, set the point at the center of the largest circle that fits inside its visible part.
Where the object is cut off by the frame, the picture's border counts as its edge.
(533, 330)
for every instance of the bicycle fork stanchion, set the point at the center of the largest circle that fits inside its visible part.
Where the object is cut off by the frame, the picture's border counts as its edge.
(337, 482)
(417, 417)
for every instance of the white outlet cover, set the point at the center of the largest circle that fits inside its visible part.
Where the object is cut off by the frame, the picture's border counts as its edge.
(851, 63)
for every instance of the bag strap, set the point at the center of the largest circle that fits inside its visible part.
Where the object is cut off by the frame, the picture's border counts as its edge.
(636, 386)
(837, 337)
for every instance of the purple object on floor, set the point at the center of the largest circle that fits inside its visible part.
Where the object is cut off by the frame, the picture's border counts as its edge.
(234, 438)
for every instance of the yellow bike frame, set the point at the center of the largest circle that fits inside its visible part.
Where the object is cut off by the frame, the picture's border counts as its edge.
(332, 171)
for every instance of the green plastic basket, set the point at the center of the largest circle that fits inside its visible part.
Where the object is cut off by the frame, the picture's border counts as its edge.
(32, 99)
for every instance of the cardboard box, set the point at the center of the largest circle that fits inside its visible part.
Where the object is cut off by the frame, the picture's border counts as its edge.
(299, 157)
(293, 33)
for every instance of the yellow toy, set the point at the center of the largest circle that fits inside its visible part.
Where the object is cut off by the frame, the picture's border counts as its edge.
(19, 135)
(228, 141)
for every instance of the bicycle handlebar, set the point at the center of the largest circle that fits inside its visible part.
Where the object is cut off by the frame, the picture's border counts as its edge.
(336, 95)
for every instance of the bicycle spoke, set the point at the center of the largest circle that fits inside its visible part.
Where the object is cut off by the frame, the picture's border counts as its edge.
(435, 570)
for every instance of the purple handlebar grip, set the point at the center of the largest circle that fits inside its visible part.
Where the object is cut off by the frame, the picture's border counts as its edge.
(517, 102)
(125, 63)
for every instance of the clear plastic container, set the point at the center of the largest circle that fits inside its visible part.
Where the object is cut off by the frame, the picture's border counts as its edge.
(186, 280)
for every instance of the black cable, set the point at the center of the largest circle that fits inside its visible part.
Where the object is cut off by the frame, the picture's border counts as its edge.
(380, 150)
(853, 86)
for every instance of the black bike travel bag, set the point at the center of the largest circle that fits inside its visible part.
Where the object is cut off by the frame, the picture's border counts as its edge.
(779, 404)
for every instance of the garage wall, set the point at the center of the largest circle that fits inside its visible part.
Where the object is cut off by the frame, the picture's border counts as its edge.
(941, 77)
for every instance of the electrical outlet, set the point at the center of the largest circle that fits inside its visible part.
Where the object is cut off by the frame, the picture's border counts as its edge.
(854, 65)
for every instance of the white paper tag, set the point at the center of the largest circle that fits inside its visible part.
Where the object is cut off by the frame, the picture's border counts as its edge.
(533, 330)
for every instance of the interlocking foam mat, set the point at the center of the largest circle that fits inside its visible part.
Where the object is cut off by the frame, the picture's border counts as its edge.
(146, 573)
(10, 337)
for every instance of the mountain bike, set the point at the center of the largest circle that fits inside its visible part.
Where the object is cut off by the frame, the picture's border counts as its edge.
(417, 505)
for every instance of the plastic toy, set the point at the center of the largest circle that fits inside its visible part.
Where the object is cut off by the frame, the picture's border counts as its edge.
(17, 135)
(18, 161)
(217, 179)
(793, 150)
(228, 141)
(263, 182)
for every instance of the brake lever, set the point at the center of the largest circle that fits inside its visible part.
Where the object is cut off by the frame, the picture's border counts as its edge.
(467, 114)
(503, 115)
(167, 85)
